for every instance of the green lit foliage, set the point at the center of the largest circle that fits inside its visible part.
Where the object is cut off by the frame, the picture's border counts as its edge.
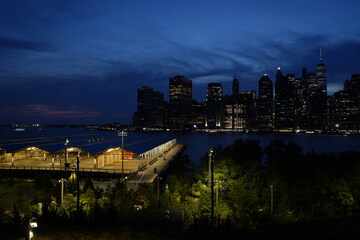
(244, 203)
(146, 197)
(197, 204)
(180, 176)
(124, 199)
(88, 201)
(223, 212)
(312, 186)
(71, 184)
(170, 200)
(306, 187)
(69, 205)
(104, 203)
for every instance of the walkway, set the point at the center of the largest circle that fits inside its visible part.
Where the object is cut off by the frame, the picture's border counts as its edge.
(153, 170)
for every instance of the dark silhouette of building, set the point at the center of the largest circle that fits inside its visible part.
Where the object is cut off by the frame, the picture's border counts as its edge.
(265, 104)
(316, 98)
(246, 115)
(330, 118)
(150, 109)
(234, 103)
(345, 111)
(347, 105)
(197, 115)
(180, 103)
(284, 101)
(355, 92)
(214, 116)
(299, 104)
(321, 75)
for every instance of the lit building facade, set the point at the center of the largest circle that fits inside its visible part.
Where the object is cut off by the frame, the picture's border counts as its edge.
(180, 103)
(246, 110)
(347, 105)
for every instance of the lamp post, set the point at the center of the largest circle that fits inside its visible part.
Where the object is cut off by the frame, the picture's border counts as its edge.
(62, 191)
(77, 187)
(122, 134)
(158, 189)
(272, 199)
(218, 182)
(66, 142)
(126, 181)
(211, 170)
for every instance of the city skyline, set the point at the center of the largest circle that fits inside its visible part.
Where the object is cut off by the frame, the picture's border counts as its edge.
(82, 62)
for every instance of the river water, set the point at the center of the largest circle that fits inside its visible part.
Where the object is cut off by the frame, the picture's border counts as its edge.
(199, 143)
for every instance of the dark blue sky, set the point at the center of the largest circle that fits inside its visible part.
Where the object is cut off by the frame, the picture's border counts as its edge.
(82, 61)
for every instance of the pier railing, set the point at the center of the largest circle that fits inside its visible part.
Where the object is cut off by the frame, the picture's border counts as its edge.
(99, 170)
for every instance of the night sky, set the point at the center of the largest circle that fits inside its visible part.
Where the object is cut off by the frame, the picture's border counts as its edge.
(82, 61)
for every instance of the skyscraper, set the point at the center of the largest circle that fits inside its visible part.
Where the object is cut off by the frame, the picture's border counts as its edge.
(345, 111)
(321, 75)
(346, 115)
(214, 94)
(284, 107)
(234, 103)
(316, 97)
(246, 115)
(197, 117)
(180, 102)
(150, 109)
(264, 107)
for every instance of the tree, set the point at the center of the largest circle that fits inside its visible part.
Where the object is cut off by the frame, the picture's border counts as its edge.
(88, 184)
(88, 202)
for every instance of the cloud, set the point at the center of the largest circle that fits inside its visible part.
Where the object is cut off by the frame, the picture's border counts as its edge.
(211, 79)
(7, 43)
(50, 113)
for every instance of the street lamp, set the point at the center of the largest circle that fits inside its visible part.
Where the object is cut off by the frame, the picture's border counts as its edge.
(211, 178)
(77, 186)
(272, 199)
(66, 142)
(218, 183)
(158, 189)
(122, 134)
(126, 180)
(62, 191)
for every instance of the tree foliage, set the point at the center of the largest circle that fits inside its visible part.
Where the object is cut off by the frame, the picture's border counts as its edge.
(306, 186)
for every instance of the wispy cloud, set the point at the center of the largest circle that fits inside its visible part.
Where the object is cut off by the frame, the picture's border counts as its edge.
(10, 44)
(50, 112)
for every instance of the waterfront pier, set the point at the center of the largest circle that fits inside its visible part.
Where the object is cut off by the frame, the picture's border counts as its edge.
(139, 160)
